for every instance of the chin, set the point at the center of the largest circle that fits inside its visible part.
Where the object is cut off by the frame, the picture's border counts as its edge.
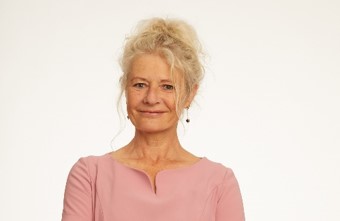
(150, 126)
(152, 129)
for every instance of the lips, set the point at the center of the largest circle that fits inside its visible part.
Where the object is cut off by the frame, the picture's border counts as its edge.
(152, 112)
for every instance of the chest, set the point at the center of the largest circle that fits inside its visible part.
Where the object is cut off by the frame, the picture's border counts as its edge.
(176, 196)
(151, 171)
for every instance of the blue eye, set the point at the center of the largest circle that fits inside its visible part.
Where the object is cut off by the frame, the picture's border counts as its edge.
(168, 87)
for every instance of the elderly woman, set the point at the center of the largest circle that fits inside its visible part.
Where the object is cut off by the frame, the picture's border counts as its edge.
(153, 178)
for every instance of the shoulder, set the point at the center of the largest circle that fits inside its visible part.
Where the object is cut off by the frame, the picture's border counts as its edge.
(215, 167)
(92, 161)
(88, 166)
(226, 182)
(217, 172)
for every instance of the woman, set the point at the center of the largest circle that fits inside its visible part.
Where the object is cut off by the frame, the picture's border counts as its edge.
(153, 178)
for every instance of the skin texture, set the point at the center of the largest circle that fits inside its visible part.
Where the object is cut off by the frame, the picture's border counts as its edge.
(151, 107)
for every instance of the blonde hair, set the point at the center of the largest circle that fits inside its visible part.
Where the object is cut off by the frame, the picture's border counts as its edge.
(173, 39)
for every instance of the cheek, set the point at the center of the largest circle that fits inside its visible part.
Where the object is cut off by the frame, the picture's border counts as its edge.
(170, 101)
(133, 97)
(181, 101)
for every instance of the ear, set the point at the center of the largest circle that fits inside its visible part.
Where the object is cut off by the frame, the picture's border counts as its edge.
(191, 96)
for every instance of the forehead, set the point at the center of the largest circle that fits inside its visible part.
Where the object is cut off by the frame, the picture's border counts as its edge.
(152, 66)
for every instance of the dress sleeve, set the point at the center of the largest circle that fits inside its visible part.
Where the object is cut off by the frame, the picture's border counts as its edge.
(78, 194)
(230, 205)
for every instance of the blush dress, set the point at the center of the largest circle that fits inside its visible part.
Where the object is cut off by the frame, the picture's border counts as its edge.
(99, 188)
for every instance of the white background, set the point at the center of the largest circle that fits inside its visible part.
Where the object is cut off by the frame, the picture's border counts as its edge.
(268, 108)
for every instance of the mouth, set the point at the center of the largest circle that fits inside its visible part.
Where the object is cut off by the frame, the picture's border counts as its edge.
(151, 113)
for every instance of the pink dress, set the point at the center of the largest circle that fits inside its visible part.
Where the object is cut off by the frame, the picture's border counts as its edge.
(100, 188)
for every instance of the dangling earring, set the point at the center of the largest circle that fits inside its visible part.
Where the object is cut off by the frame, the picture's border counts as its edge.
(187, 120)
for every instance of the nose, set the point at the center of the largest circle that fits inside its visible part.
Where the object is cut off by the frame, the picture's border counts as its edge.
(152, 96)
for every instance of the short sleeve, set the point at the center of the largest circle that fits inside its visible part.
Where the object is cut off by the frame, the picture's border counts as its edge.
(78, 197)
(230, 205)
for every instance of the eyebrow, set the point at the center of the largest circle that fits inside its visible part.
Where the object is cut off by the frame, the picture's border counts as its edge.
(138, 78)
(144, 79)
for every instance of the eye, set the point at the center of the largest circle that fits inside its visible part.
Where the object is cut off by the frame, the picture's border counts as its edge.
(168, 87)
(139, 85)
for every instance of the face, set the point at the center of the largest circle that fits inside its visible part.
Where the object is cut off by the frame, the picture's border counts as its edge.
(151, 94)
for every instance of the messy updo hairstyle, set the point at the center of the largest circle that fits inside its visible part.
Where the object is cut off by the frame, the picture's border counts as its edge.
(174, 40)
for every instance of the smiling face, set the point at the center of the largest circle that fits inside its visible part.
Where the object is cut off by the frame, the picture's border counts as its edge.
(151, 94)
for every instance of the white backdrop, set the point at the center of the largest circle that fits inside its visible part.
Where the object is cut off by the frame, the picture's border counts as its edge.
(268, 108)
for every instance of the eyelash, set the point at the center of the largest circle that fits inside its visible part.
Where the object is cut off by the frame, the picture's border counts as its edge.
(139, 85)
(167, 87)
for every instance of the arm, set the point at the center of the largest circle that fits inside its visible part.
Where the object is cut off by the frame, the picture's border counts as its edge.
(230, 205)
(78, 196)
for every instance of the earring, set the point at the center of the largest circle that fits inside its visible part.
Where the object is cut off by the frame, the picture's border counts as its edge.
(128, 117)
(187, 120)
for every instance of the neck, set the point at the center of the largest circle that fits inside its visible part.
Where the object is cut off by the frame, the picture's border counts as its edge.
(155, 146)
